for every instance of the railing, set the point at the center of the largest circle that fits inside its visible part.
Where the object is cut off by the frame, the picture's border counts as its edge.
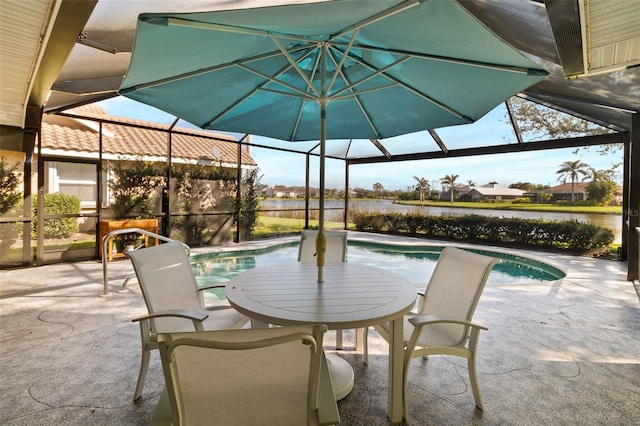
(106, 240)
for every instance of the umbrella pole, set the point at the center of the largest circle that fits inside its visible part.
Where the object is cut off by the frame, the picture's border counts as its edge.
(321, 242)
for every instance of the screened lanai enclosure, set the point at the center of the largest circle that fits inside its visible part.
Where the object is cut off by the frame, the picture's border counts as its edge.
(72, 54)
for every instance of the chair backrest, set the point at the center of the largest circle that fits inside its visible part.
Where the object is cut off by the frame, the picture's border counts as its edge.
(167, 283)
(453, 291)
(258, 376)
(336, 246)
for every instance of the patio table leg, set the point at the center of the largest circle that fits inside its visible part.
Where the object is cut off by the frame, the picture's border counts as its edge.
(395, 371)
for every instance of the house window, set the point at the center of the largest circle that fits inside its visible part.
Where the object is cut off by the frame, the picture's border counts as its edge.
(77, 179)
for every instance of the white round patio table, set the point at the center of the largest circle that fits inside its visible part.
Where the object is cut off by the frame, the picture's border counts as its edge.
(351, 296)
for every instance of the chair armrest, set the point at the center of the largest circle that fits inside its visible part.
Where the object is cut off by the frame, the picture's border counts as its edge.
(221, 305)
(422, 320)
(211, 286)
(328, 413)
(181, 313)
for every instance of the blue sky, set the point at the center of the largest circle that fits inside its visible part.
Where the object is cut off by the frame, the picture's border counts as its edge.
(288, 169)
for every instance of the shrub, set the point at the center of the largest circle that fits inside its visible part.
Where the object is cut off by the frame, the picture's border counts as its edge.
(522, 200)
(133, 187)
(567, 235)
(59, 204)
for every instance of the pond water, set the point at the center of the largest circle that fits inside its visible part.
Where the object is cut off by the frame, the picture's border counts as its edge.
(415, 263)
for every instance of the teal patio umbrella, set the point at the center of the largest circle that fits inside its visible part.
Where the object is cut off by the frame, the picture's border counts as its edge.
(318, 71)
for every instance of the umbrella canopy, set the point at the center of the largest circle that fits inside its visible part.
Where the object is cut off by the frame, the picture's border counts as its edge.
(333, 70)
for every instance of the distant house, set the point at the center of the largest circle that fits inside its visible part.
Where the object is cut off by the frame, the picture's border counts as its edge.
(458, 191)
(562, 192)
(491, 192)
(281, 191)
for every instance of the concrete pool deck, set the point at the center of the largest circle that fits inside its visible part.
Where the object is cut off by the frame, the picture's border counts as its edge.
(560, 352)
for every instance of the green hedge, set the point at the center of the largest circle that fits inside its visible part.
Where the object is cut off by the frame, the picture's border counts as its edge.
(59, 204)
(569, 235)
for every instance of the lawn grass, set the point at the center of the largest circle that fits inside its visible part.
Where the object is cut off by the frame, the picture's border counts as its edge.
(269, 226)
(557, 208)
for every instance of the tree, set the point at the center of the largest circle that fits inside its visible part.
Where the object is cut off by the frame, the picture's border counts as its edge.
(359, 192)
(528, 186)
(537, 122)
(602, 189)
(598, 175)
(377, 189)
(602, 192)
(471, 184)
(133, 186)
(421, 186)
(572, 170)
(450, 181)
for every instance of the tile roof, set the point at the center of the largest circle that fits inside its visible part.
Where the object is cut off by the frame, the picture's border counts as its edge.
(125, 139)
(566, 187)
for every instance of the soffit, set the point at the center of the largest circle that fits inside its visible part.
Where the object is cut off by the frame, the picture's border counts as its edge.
(24, 29)
(612, 32)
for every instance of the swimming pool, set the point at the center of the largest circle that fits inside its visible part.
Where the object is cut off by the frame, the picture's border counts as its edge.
(415, 263)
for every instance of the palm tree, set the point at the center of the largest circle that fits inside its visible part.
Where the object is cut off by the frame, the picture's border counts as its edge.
(422, 185)
(572, 170)
(597, 175)
(450, 181)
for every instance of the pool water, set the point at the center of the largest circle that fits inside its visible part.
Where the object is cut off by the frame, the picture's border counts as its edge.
(415, 263)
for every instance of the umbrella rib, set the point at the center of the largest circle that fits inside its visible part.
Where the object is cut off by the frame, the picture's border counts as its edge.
(180, 22)
(201, 71)
(355, 97)
(228, 109)
(257, 88)
(293, 62)
(470, 62)
(303, 94)
(377, 17)
(363, 91)
(342, 59)
(418, 93)
(301, 110)
(377, 72)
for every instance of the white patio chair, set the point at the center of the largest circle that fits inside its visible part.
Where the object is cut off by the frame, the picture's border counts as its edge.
(336, 252)
(173, 299)
(336, 246)
(442, 324)
(260, 376)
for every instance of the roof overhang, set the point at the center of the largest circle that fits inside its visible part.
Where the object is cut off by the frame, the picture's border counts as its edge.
(595, 36)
